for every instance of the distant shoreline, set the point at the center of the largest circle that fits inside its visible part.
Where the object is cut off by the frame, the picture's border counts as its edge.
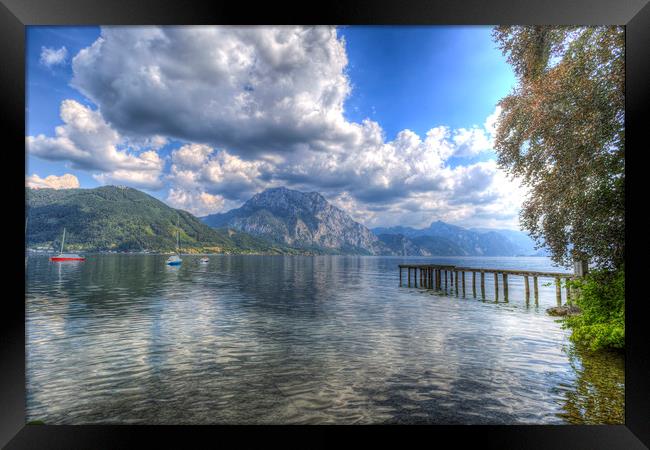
(108, 252)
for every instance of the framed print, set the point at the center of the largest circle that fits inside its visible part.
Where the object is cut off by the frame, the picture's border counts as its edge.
(390, 214)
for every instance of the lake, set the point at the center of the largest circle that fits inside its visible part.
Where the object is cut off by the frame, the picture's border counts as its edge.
(125, 339)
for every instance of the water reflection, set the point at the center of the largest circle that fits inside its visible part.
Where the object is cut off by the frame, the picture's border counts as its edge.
(599, 391)
(272, 339)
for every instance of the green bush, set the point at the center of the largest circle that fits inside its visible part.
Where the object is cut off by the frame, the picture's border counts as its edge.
(601, 297)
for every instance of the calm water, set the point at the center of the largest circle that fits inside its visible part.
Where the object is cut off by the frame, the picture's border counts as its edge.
(273, 339)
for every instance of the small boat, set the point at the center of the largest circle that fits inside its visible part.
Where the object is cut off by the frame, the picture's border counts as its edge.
(205, 259)
(66, 256)
(175, 260)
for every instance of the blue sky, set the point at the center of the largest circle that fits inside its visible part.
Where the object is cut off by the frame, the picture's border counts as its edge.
(204, 117)
(47, 87)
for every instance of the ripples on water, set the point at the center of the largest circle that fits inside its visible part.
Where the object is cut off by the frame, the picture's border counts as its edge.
(272, 339)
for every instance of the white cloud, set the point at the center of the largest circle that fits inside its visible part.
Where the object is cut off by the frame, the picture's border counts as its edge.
(51, 57)
(249, 89)
(195, 201)
(89, 143)
(471, 142)
(136, 178)
(492, 122)
(199, 166)
(67, 181)
(191, 156)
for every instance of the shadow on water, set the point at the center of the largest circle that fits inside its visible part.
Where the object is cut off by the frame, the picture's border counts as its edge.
(598, 394)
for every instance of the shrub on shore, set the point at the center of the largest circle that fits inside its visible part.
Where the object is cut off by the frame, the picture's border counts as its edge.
(601, 297)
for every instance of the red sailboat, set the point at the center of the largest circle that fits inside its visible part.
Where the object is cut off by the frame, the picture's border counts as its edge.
(66, 256)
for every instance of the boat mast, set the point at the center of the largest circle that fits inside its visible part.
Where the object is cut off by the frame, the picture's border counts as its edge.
(62, 240)
(178, 235)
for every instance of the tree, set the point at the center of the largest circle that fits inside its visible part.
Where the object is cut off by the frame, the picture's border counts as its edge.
(561, 131)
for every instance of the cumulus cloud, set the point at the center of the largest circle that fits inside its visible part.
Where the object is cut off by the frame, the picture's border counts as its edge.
(197, 166)
(67, 181)
(479, 194)
(51, 57)
(377, 171)
(471, 142)
(492, 122)
(195, 201)
(88, 142)
(191, 156)
(248, 89)
(136, 178)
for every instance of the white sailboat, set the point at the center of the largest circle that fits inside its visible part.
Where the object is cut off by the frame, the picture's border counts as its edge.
(175, 260)
(66, 256)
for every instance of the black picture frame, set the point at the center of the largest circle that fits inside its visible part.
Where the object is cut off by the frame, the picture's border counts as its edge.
(16, 14)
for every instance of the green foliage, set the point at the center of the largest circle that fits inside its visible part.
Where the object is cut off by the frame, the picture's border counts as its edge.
(602, 301)
(561, 131)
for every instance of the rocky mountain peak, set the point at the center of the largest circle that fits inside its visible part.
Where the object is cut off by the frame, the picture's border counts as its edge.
(301, 219)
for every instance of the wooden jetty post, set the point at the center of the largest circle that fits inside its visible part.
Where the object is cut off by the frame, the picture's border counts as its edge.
(431, 276)
(474, 284)
(580, 267)
(482, 284)
(526, 289)
(463, 272)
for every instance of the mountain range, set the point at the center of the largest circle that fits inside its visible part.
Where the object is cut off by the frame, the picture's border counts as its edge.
(465, 242)
(275, 221)
(309, 221)
(125, 219)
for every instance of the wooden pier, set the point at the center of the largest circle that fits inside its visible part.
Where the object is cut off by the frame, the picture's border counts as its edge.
(432, 275)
